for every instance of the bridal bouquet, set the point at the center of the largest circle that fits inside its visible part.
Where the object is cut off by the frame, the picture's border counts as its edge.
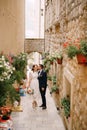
(30, 91)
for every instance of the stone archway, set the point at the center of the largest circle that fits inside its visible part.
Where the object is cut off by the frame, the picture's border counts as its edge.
(34, 45)
(35, 57)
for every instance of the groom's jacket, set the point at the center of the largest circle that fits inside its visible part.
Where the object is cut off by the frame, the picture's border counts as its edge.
(42, 79)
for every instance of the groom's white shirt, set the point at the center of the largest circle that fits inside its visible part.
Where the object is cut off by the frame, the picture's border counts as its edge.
(40, 71)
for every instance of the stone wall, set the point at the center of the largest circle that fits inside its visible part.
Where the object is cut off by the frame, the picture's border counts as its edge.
(12, 26)
(68, 19)
(34, 45)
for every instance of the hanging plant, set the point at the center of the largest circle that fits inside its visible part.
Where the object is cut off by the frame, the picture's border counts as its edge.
(77, 48)
(54, 89)
(49, 78)
(54, 80)
(58, 56)
(66, 106)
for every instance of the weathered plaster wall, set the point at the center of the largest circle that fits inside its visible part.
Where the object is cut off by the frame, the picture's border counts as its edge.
(12, 26)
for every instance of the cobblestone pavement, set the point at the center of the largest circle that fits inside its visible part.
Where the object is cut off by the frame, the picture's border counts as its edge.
(37, 119)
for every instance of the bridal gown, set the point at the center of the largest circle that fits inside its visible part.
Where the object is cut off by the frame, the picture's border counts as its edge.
(34, 84)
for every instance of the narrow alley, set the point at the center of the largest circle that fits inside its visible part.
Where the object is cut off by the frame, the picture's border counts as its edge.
(37, 119)
(47, 39)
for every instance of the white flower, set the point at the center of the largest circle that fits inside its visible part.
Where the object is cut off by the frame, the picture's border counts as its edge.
(4, 74)
(8, 77)
(3, 58)
(7, 69)
(1, 66)
(1, 79)
(13, 68)
(11, 72)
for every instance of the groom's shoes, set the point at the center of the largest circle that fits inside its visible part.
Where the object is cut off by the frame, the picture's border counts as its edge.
(44, 107)
(41, 106)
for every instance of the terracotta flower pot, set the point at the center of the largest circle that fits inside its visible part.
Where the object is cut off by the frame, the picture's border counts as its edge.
(81, 59)
(17, 89)
(59, 61)
(51, 63)
(4, 118)
(57, 91)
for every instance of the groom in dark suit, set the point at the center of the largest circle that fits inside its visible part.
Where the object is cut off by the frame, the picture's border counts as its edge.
(42, 77)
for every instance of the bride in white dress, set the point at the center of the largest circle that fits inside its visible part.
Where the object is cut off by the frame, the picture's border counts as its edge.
(33, 82)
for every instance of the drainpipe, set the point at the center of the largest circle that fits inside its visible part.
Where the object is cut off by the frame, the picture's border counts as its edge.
(44, 24)
(39, 18)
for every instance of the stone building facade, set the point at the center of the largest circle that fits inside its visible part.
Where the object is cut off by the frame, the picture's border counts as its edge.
(12, 25)
(68, 19)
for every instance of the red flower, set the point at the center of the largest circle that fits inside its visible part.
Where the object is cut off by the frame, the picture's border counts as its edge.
(5, 110)
(10, 59)
(66, 44)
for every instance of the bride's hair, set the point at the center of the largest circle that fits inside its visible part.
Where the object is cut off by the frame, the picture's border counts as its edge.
(33, 67)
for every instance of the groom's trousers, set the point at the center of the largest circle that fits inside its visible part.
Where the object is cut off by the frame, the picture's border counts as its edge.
(43, 96)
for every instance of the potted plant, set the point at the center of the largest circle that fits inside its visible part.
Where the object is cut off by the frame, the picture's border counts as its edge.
(71, 51)
(8, 94)
(54, 79)
(78, 48)
(82, 52)
(58, 57)
(5, 113)
(45, 61)
(51, 59)
(54, 89)
(49, 78)
(6, 79)
(66, 106)
(45, 54)
(47, 67)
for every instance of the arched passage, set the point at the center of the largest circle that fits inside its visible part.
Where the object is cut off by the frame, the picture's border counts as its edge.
(34, 58)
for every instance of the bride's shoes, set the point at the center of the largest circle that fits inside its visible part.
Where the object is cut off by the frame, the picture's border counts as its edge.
(34, 104)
